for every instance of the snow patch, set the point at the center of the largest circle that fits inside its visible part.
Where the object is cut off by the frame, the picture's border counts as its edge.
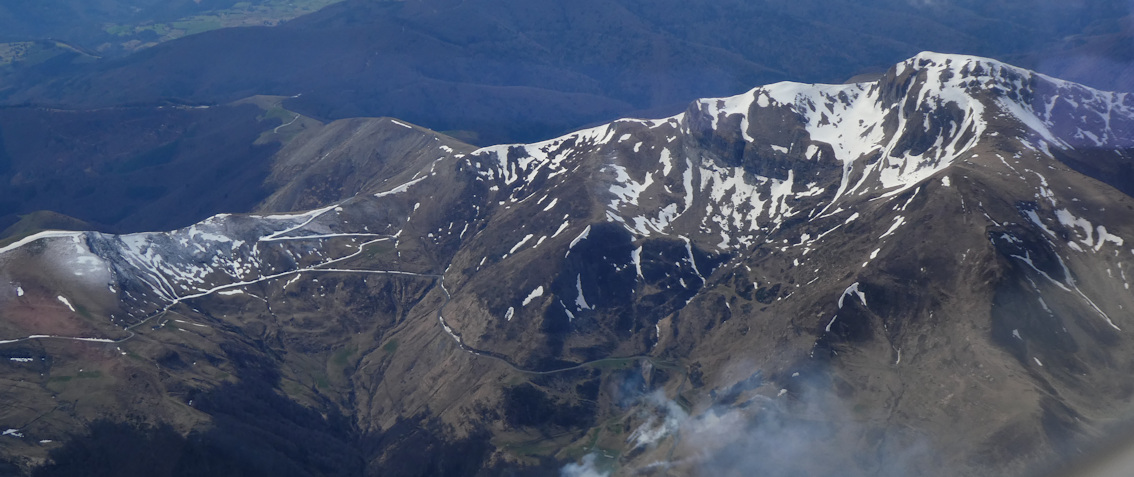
(853, 289)
(580, 238)
(580, 301)
(521, 243)
(1034, 218)
(636, 258)
(538, 292)
(66, 302)
(401, 188)
(898, 221)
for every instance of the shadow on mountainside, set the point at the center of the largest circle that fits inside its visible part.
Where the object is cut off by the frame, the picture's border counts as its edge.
(257, 431)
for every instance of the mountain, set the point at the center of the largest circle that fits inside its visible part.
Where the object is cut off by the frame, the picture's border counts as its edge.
(133, 168)
(130, 169)
(918, 275)
(507, 71)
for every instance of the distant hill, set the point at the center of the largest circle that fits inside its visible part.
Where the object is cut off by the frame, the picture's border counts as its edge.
(521, 70)
(114, 27)
(133, 168)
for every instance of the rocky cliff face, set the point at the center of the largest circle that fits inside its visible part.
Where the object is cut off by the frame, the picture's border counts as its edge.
(922, 275)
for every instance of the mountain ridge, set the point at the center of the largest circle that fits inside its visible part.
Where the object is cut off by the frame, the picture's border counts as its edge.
(917, 265)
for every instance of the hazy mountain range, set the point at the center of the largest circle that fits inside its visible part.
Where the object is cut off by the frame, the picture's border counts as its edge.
(503, 70)
(483, 71)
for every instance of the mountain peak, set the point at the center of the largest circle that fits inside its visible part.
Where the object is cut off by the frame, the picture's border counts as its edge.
(794, 151)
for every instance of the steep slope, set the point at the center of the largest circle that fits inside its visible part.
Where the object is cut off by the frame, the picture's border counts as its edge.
(922, 275)
(348, 157)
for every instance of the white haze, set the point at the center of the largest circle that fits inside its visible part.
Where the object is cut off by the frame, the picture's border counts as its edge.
(766, 436)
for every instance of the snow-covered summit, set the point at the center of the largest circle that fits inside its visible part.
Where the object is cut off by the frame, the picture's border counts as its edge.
(753, 160)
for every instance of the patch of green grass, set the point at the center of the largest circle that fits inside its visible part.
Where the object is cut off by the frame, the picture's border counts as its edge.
(379, 248)
(278, 113)
(31, 52)
(292, 388)
(666, 364)
(81, 375)
(161, 29)
(341, 356)
(83, 311)
(615, 363)
(606, 459)
(119, 30)
(575, 453)
(244, 13)
(198, 25)
(531, 448)
(390, 346)
(594, 438)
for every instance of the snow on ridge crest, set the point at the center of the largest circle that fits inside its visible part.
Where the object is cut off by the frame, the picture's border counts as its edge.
(1099, 118)
(850, 118)
(948, 78)
(888, 136)
(221, 249)
(853, 119)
